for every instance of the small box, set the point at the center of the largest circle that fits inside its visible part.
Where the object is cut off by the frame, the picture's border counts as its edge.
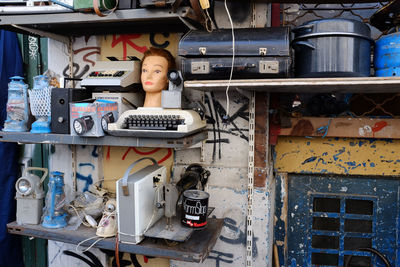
(91, 117)
(125, 101)
(60, 99)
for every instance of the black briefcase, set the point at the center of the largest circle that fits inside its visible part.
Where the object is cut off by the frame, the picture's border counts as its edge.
(259, 53)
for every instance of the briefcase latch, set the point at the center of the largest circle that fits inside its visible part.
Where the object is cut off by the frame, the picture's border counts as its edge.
(202, 50)
(262, 51)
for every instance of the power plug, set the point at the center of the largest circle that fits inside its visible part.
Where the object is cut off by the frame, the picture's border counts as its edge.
(205, 4)
(91, 221)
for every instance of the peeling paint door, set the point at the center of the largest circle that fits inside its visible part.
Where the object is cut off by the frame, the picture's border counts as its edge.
(331, 218)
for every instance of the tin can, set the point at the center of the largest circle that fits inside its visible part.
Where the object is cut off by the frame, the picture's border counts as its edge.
(194, 209)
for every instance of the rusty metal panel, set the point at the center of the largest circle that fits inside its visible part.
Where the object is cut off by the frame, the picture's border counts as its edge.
(337, 155)
(343, 127)
(260, 140)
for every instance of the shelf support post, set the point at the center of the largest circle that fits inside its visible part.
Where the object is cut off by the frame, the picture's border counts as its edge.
(250, 186)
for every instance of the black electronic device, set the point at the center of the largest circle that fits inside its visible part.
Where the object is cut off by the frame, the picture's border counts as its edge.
(127, 4)
(259, 53)
(194, 176)
(60, 113)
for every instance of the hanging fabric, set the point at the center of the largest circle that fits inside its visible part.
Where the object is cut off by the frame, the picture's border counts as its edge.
(10, 65)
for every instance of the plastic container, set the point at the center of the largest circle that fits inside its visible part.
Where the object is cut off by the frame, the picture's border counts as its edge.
(40, 100)
(387, 55)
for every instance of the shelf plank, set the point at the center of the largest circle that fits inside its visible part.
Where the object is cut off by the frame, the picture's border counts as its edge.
(138, 20)
(195, 249)
(344, 127)
(304, 85)
(108, 140)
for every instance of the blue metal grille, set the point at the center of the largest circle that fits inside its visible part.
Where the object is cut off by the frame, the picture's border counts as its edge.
(339, 224)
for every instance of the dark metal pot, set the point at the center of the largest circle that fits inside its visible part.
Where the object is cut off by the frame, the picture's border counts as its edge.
(332, 48)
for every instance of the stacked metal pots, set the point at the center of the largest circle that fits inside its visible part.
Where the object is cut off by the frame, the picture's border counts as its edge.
(332, 48)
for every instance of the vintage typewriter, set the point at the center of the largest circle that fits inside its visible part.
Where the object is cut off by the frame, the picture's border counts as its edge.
(157, 123)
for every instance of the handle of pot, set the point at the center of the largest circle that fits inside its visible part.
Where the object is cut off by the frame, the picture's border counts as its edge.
(307, 27)
(303, 43)
(44, 170)
(219, 67)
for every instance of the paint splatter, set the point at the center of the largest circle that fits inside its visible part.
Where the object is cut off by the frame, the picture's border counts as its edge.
(311, 159)
(378, 126)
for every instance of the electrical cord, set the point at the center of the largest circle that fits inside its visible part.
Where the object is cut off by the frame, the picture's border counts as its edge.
(225, 118)
(372, 250)
(85, 240)
(210, 107)
(221, 112)
(218, 128)
(93, 237)
(117, 249)
(80, 218)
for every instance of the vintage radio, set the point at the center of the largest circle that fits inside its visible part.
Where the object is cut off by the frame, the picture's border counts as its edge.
(259, 53)
(60, 99)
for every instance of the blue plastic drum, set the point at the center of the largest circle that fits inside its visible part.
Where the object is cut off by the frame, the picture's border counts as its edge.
(387, 55)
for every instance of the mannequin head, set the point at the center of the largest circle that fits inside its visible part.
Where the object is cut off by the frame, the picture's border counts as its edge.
(156, 63)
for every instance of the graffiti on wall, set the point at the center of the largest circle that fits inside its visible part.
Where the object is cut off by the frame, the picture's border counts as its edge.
(83, 54)
(142, 153)
(215, 116)
(238, 239)
(93, 261)
(33, 47)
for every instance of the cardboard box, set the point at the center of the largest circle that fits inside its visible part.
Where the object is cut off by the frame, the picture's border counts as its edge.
(125, 101)
(88, 117)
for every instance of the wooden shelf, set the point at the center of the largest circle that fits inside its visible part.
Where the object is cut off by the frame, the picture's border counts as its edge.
(343, 127)
(108, 140)
(304, 85)
(195, 249)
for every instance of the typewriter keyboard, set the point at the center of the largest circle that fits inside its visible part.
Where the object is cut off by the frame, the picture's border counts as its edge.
(152, 122)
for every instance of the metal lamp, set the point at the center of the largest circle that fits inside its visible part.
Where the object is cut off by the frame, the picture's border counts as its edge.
(30, 196)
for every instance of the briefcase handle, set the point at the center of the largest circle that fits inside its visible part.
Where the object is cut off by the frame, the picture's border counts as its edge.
(220, 67)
